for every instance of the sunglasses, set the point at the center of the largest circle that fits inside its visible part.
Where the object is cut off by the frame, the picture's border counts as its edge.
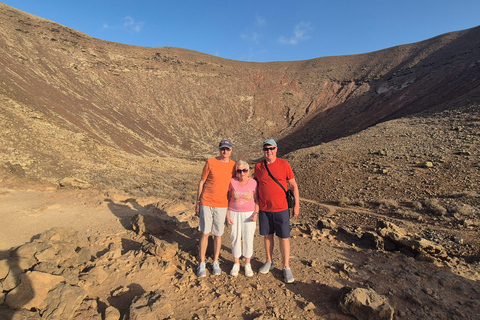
(242, 170)
(225, 149)
(271, 149)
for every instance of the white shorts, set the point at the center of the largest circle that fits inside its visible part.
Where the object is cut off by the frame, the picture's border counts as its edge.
(212, 220)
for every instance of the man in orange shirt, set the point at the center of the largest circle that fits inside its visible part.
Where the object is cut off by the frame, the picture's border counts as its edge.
(212, 203)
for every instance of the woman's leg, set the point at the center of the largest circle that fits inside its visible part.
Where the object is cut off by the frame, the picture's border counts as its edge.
(236, 236)
(248, 233)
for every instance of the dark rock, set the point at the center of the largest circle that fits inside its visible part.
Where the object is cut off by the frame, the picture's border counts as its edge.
(150, 306)
(371, 240)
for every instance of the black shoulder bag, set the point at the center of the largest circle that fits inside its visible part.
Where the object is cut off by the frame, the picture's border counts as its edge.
(288, 193)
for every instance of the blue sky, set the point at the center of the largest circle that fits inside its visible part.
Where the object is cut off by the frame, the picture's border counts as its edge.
(261, 30)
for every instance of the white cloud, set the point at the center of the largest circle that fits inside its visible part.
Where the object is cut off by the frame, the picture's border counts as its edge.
(260, 21)
(253, 32)
(252, 36)
(129, 24)
(300, 33)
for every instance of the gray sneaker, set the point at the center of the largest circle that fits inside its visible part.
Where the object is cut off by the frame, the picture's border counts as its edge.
(287, 274)
(216, 268)
(201, 271)
(266, 267)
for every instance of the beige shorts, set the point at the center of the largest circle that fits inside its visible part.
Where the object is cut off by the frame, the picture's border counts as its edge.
(212, 220)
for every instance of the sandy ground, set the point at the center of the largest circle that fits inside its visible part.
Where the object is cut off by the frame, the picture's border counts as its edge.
(26, 213)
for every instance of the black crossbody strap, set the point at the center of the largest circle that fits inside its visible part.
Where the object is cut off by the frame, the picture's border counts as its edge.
(274, 179)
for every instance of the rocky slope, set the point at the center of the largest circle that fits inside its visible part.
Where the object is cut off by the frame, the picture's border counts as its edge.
(158, 101)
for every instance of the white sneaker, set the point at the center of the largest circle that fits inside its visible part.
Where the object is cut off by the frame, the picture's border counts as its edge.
(248, 270)
(235, 269)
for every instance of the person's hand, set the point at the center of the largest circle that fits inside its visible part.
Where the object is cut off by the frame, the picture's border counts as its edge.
(254, 216)
(296, 211)
(197, 208)
(229, 220)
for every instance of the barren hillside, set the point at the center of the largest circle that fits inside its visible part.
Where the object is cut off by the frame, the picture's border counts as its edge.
(97, 136)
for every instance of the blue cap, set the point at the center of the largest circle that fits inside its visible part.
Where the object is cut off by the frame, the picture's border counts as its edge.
(225, 144)
(269, 142)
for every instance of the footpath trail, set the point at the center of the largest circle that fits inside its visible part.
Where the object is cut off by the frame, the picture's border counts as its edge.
(422, 224)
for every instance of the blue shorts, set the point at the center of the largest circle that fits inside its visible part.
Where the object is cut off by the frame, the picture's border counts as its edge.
(275, 222)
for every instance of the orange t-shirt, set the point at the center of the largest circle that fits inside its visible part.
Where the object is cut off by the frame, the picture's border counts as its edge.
(217, 175)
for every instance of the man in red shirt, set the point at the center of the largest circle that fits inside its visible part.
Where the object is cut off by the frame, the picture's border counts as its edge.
(274, 215)
(212, 203)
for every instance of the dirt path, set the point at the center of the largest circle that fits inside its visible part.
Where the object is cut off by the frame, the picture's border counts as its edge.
(333, 209)
(26, 213)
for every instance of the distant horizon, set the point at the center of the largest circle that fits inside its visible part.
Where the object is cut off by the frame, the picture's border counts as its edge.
(258, 31)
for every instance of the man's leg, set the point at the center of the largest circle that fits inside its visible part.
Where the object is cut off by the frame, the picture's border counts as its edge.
(205, 227)
(202, 246)
(218, 228)
(269, 245)
(266, 230)
(217, 245)
(285, 251)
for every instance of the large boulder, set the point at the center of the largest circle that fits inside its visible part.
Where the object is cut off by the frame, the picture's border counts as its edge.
(160, 248)
(148, 224)
(13, 277)
(366, 304)
(4, 268)
(62, 302)
(396, 238)
(32, 290)
(57, 246)
(389, 230)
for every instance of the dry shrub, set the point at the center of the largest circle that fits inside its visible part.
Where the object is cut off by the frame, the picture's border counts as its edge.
(470, 194)
(408, 214)
(343, 202)
(388, 204)
(466, 194)
(360, 203)
(461, 209)
(417, 205)
(433, 206)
